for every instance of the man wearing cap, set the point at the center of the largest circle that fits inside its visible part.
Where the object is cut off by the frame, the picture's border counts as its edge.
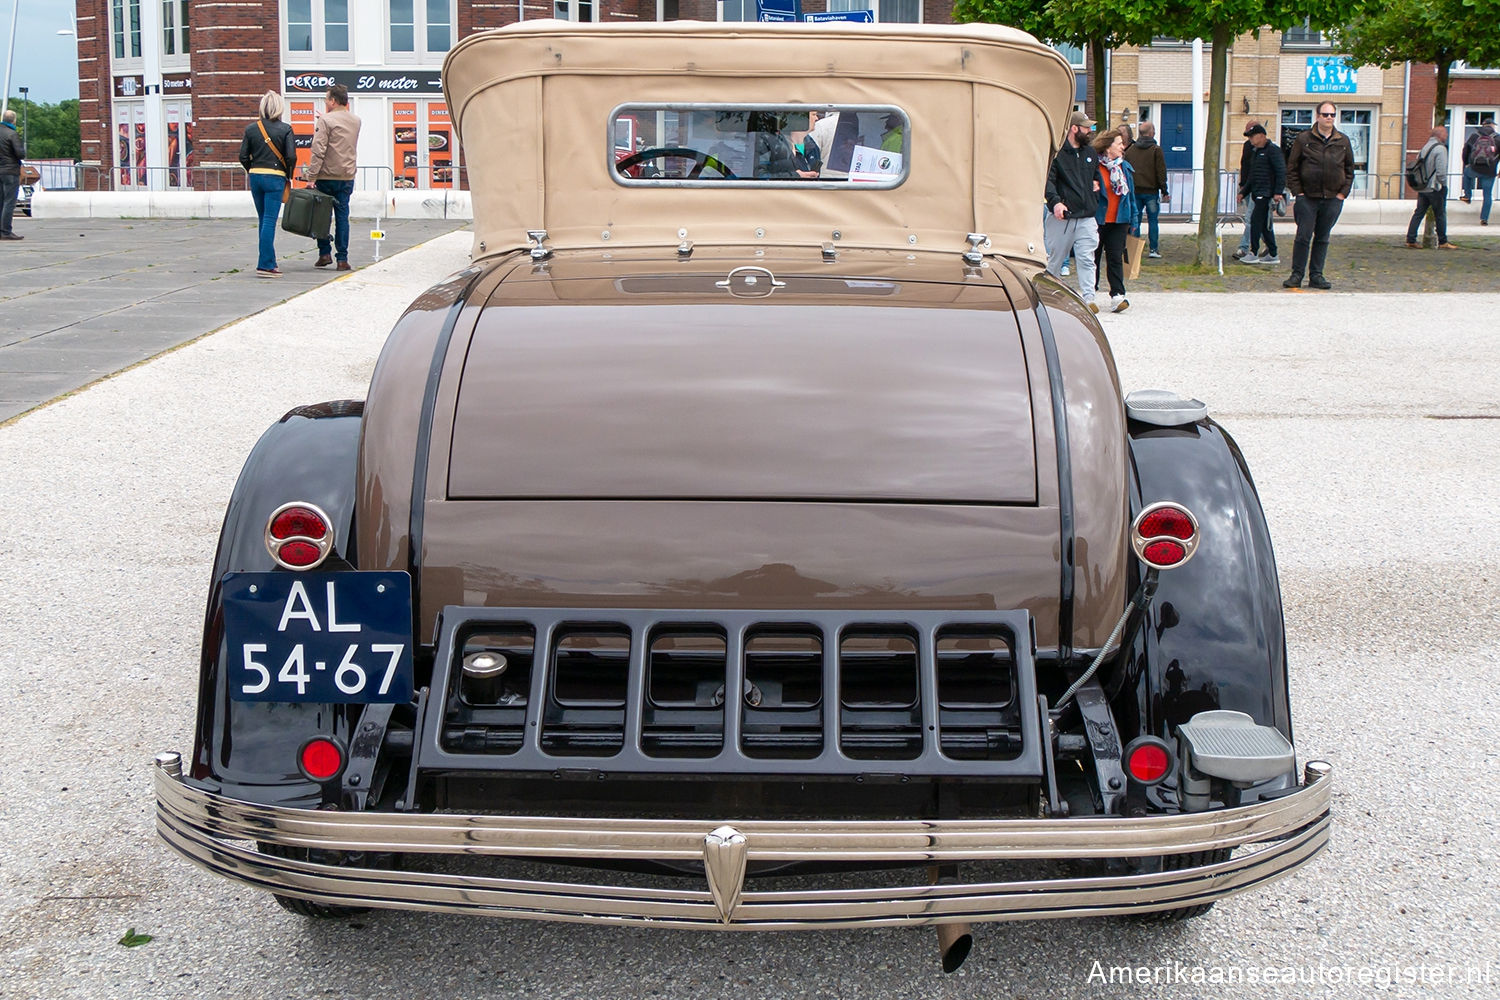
(1481, 158)
(1243, 205)
(1070, 226)
(1261, 179)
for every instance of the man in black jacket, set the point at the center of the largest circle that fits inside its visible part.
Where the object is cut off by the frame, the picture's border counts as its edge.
(1320, 173)
(1481, 156)
(11, 153)
(1262, 176)
(1072, 200)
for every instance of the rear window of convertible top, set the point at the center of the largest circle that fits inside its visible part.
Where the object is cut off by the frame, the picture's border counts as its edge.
(712, 145)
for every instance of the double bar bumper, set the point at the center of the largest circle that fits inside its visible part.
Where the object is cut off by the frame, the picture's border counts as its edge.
(1285, 832)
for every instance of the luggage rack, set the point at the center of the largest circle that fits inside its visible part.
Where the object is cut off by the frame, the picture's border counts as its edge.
(643, 692)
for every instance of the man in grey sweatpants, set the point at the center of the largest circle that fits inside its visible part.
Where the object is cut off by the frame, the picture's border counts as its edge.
(1072, 200)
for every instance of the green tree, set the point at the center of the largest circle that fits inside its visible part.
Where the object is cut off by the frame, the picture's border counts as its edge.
(1090, 25)
(1425, 31)
(51, 129)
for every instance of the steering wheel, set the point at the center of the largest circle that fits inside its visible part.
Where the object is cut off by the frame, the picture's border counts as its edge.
(700, 160)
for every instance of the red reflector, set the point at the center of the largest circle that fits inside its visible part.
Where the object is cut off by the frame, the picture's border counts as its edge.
(1166, 521)
(321, 759)
(299, 553)
(298, 522)
(1148, 763)
(1161, 553)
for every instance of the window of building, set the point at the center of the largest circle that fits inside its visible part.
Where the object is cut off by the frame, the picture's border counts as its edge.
(419, 27)
(1168, 42)
(174, 27)
(586, 10)
(125, 18)
(1303, 36)
(1462, 68)
(318, 28)
(886, 11)
(1074, 54)
(736, 10)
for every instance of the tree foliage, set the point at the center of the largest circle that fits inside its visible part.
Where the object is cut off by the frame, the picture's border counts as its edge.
(1425, 31)
(51, 130)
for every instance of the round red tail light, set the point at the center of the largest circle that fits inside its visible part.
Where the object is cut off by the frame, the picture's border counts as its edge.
(298, 521)
(1148, 760)
(1164, 535)
(299, 535)
(321, 759)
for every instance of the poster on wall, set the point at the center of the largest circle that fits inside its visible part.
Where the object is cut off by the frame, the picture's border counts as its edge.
(304, 118)
(439, 145)
(404, 156)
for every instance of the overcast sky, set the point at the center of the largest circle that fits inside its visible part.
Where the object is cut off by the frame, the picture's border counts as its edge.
(44, 61)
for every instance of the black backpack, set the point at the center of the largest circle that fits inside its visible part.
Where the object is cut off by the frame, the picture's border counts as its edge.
(1417, 174)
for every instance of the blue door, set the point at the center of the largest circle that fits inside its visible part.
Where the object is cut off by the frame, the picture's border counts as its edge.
(1175, 133)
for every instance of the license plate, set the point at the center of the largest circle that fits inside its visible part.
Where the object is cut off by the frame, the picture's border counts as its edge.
(319, 637)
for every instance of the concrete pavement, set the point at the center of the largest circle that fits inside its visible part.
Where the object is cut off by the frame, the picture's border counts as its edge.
(84, 298)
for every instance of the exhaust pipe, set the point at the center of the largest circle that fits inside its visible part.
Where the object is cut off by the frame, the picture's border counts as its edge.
(954, 942)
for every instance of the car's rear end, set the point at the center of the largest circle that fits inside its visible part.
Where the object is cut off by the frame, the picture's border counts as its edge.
(756, 576)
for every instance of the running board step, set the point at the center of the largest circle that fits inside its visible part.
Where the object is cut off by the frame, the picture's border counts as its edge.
(1232, 746)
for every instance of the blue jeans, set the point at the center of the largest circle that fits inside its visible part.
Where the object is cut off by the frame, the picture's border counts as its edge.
(1486, 187)
(266, 190)
(340, 190)
(1150, 203)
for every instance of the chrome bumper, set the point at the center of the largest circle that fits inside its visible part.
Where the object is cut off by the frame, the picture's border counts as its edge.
(202, 827)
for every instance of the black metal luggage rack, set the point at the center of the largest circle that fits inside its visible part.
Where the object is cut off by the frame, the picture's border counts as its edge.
(919, 693)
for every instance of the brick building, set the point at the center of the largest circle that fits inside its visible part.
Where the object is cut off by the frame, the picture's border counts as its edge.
(166, 87)
(1473, 98)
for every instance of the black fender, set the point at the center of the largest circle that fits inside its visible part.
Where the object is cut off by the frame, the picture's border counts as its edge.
(1214, 636)
(248, 749)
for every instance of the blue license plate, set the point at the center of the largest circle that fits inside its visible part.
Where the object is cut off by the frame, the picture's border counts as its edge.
(319, 637)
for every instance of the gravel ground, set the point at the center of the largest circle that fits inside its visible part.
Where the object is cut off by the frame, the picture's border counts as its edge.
(1372, 432)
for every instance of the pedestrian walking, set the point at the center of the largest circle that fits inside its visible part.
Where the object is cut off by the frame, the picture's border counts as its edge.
(1070, 226)
(331, 168)
(1149, 162)
(1114, 214)
(12, 152)
(268, 152)
(1432, 171)
(1242, 204)
(1481, 158)
(1262, 177)
(1320, 173)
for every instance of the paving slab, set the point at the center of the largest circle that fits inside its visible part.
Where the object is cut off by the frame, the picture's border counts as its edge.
(84, 298)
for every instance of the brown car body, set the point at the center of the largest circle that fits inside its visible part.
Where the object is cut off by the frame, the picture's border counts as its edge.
(808, 423)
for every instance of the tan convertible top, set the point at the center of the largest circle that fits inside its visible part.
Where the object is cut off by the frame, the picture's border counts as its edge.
(532, 103)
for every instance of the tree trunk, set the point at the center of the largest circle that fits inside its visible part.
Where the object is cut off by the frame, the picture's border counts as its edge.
(1213, 143)
(1439, 113)
(1101, 84)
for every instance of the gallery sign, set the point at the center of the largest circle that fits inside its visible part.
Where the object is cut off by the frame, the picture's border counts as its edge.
(1330, 75)
(363, 82)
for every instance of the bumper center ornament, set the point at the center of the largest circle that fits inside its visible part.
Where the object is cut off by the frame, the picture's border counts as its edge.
(724, 855)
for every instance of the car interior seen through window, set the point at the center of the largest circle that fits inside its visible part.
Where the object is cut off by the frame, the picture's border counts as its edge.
(714, 143)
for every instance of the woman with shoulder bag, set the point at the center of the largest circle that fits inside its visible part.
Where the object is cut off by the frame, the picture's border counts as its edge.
(268, 152)
(1117, 206)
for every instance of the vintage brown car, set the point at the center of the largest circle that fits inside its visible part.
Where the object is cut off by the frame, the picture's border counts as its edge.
(755, 515)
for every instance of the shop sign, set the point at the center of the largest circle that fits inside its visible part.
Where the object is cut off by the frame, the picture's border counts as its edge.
(364, 82)
(1330, 75)
(129, 86)
(177, 83)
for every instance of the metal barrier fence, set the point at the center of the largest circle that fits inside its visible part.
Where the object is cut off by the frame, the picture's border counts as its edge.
(90, 177)
(1185, 189)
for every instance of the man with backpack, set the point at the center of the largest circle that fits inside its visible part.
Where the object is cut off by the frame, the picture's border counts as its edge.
(1429, 175)
(1481, 157)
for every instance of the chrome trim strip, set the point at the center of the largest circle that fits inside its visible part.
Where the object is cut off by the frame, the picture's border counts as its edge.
(201, 826)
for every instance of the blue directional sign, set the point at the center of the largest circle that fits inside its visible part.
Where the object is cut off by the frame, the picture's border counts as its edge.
(1330, 75)
(778, 10)
(857, 16)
